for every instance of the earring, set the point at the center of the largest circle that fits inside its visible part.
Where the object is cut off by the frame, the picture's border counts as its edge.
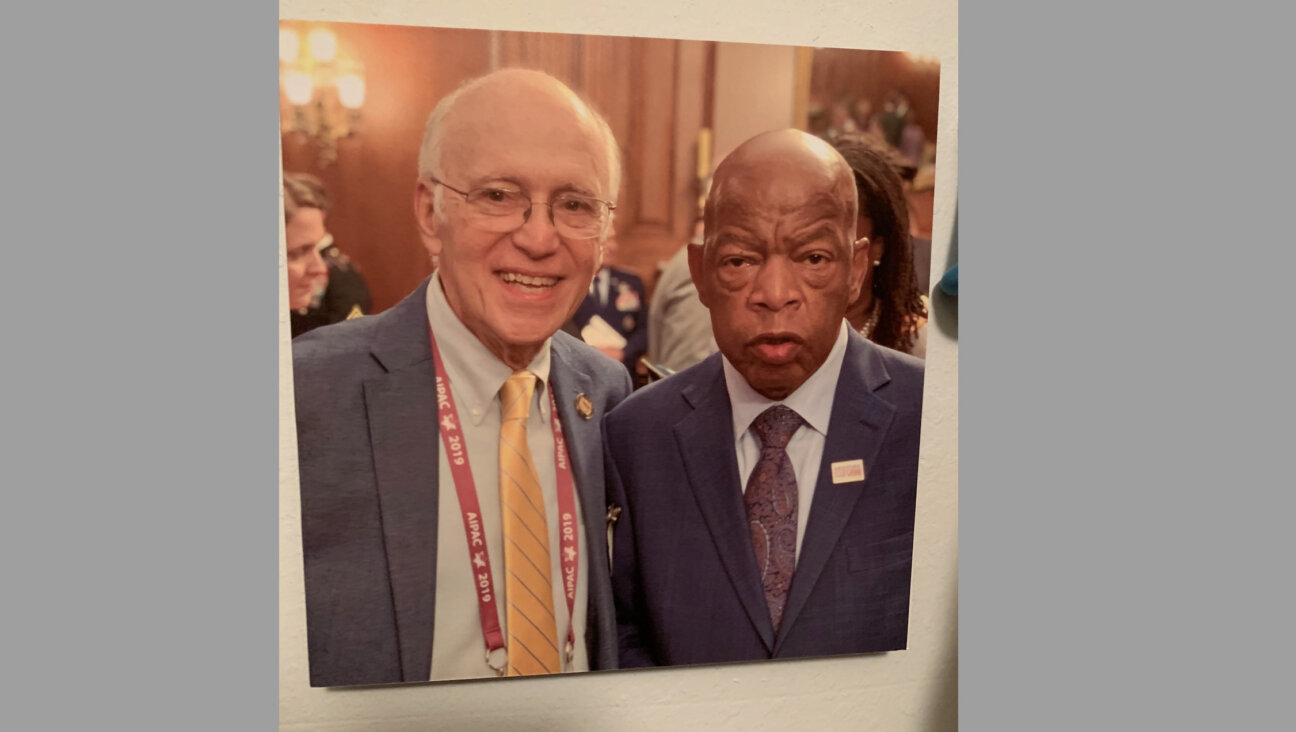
(877, 263)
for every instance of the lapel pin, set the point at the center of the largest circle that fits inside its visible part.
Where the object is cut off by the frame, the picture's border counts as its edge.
(848, 471)
(584, 407)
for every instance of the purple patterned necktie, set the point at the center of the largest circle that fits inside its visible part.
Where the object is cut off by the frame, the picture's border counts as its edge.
(771, 500)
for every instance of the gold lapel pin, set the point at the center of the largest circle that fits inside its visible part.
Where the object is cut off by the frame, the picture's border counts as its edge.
(584, 407)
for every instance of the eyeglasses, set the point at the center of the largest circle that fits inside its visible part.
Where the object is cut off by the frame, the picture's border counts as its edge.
(502, 210)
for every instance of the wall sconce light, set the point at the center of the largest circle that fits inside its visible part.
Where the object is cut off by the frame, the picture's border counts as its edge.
(324, 92)
(703, 167)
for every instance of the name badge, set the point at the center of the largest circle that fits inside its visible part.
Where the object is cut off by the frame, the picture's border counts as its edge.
(848, 471)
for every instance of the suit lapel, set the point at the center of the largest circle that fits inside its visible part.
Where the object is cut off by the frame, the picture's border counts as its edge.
(402, 413)
(583, 439)
(856, 430)
(580, 434)
(706, 443)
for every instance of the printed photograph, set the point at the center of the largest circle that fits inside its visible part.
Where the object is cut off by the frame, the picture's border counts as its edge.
(608, 352)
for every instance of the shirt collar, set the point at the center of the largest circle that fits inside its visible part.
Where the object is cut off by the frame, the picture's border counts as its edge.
(812, 400)
(476, 373)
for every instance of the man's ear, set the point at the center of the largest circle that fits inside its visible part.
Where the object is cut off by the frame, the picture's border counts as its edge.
(697, 267)
(860, 260)
(876, 248)
(425, 216)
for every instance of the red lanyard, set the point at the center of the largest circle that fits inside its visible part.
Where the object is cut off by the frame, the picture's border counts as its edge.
(456, 452)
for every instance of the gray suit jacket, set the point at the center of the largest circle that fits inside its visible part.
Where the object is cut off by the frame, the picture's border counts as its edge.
(685, 577)
(679, 325)
(368, 447)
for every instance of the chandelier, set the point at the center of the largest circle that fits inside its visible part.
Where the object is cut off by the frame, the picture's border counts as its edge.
(324, 92)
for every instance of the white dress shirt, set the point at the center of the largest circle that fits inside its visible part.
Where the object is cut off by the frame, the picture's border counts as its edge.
(476, 375)
(813, 400)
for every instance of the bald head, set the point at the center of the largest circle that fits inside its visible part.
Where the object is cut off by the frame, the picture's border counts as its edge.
(512, 99)
(778, 170)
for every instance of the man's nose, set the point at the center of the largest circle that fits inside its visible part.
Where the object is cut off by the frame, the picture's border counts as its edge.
(537, 235)
(776, 284)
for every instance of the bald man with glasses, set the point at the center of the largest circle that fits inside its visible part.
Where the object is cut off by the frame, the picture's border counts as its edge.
(453, 506)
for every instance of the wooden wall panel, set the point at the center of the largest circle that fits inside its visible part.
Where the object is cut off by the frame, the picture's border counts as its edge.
(694, 92)
(644, 248)
(652, 137)
(604, 82)
(553, 53)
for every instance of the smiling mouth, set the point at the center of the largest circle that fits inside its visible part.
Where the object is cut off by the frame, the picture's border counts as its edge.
(534, 283)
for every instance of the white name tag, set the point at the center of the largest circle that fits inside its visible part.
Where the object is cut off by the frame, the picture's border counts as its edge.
(848, 471)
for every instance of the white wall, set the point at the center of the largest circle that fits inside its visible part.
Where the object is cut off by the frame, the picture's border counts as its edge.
(910, 690)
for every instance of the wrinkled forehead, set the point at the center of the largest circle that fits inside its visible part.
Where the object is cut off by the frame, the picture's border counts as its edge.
(548, 110)
(518, 120)
(781, 190)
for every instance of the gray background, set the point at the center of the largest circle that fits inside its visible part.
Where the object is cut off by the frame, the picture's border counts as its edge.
(1125, 177)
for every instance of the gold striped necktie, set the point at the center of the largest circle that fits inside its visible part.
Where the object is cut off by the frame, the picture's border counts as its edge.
(528, 588)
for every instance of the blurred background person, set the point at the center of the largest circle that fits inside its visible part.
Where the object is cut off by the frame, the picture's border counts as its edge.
(305, 265)
(840, 121)
(913, 141)
(866, 120)
(895, 115)
(338, 291)
(891, 309)
(679, 325)
(617, 303)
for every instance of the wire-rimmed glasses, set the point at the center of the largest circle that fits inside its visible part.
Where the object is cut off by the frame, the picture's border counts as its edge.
(503, 209)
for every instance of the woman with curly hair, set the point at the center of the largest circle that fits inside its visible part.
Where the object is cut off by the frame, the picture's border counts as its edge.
(890, 311)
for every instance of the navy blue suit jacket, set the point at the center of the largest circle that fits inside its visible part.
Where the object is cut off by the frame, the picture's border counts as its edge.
(627, 314)
(368, 446)
(684, 572)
